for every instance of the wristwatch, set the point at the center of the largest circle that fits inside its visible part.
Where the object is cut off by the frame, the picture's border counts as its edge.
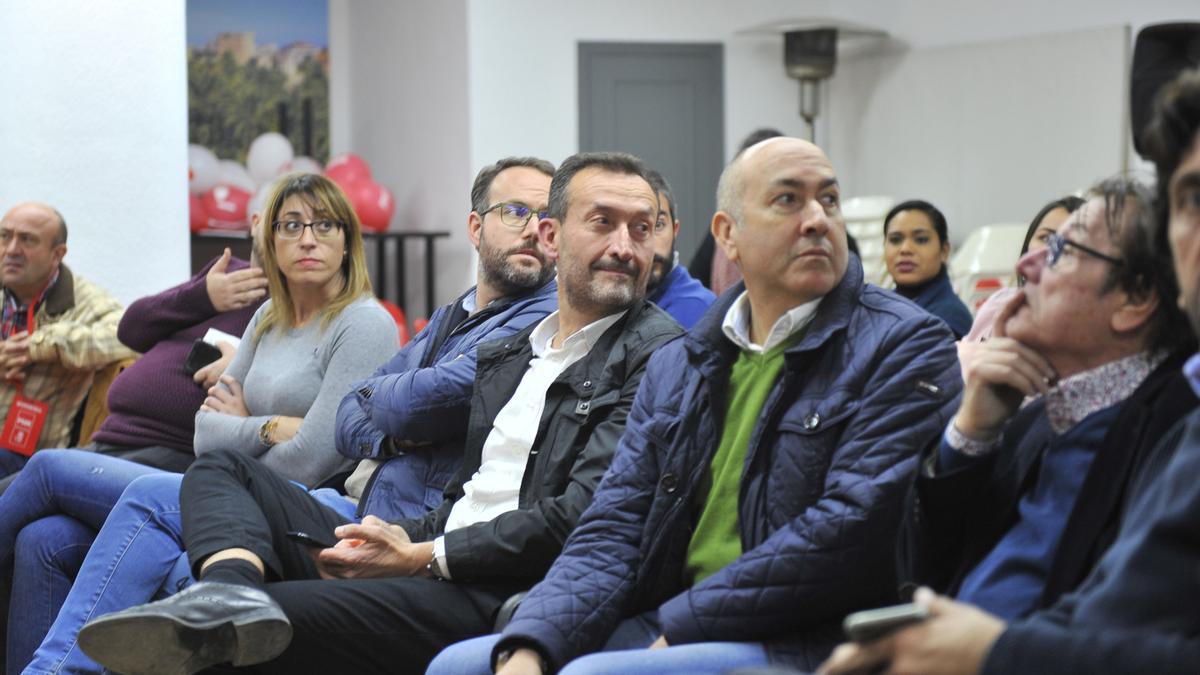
(265, 431)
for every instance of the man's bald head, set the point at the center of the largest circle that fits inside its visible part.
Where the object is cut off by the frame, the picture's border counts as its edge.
(43, 213)
(33, 240)
(731, 189)
(779, 219)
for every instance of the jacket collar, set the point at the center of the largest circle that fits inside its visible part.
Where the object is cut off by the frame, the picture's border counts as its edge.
(548, 288)
(62, 295)
(585, 375)
(707, 341)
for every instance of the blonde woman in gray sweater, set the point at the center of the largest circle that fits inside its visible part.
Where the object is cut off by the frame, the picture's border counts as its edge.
(321, 330)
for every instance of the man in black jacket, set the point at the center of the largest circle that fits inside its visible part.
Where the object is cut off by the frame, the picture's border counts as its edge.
(387, 597)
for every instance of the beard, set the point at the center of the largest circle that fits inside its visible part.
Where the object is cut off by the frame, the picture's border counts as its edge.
(496, 268)
(585, 291)
(660, 267)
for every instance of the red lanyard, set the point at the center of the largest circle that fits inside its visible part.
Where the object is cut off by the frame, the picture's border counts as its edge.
(30, 325)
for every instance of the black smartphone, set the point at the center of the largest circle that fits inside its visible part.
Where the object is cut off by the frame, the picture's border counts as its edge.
(200, 355)
(306, 539)
(872, 624)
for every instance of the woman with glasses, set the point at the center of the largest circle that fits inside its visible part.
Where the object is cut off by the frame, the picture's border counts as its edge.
(320, 331)
(916, 247)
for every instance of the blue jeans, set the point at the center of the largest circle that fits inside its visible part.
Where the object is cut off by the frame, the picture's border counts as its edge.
(625, 652)
(137, 556)
(11, 462)
(48, 517)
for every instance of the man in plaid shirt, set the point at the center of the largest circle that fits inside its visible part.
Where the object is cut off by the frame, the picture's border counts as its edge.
(56, 328)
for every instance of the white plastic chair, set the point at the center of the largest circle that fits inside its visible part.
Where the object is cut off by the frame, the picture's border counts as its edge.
(864, 221)
(985, 262)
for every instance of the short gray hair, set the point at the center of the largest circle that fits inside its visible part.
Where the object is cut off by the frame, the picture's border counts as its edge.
(731, 188)
(1146, 267)
(613, 162)
(61, 237)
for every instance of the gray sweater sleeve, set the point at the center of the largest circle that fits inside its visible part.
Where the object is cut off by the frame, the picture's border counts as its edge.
(214, 430)
(350, 348)
(356, 343)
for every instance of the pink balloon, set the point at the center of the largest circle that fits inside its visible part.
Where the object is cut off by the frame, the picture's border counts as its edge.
(226, 207)
(373, 203)
(347, 170)
(197, 215)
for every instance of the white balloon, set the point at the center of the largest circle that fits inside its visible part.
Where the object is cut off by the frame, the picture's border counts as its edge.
(231, 172)
(268, 155)
(304, 164)
(203, 169)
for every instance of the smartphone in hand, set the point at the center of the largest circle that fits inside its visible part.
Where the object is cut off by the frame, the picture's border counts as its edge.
(872, 624)
(313, 541)
(201, 354)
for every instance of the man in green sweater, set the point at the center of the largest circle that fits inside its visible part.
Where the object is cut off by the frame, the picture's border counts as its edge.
(754, 497)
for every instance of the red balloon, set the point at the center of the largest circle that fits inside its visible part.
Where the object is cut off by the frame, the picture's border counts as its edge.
(373, 203)
(226, 207)
(197, 215)
(348, 170)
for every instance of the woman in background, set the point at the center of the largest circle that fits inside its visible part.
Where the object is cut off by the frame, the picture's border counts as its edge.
(916, 247)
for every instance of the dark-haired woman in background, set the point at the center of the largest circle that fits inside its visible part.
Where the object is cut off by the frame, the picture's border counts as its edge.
(916, 248)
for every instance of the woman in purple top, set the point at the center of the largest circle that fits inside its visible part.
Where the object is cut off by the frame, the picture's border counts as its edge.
(301, 351)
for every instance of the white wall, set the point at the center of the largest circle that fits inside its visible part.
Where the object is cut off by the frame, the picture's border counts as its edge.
(94, 121)
(398, 88)
(926, 37)
(545, 65)
(988, 132)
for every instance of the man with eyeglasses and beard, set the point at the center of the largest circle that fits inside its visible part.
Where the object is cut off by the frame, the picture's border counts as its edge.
(671, 286)
(408, 420)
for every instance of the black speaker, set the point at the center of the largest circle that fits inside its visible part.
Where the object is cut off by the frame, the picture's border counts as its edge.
(1160, 53)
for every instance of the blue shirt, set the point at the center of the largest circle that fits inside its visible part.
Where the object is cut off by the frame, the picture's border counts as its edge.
(1009, 581)
(681, 296)
(1191, 370)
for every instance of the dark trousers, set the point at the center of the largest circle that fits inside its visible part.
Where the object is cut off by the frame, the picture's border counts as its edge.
(392, 625)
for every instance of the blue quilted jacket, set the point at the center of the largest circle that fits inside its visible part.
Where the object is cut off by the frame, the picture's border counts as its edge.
(422, 401)
(874, 379)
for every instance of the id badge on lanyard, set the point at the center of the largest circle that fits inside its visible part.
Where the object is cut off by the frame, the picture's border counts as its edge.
(26, 416)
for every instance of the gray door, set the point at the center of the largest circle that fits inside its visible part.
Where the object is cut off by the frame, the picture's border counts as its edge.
(665, 104)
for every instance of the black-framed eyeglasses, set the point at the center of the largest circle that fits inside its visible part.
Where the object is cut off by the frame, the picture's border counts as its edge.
(1056, 244)
(514, 214)
(294, 229)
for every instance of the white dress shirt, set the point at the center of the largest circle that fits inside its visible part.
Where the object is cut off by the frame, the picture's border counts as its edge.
(737, 324)
(496, 486)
